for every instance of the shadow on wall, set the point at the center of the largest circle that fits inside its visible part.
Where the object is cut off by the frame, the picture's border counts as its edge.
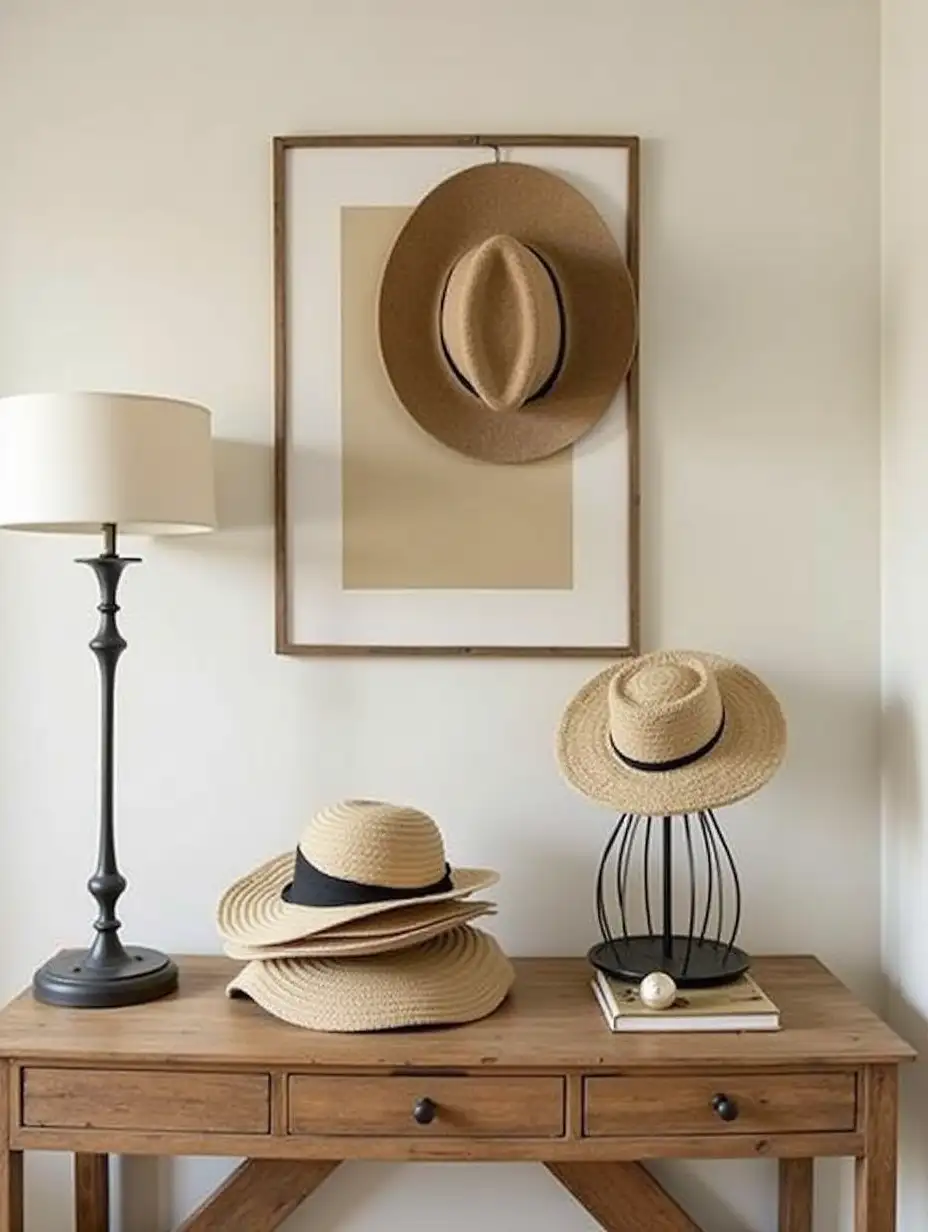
(244, 484)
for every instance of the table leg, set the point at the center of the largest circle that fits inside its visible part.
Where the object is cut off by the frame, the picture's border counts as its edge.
(875, 1196)
(622, 1197)
(11, 1162)
(796, 1192)
(91, 1193)
(11, 1191)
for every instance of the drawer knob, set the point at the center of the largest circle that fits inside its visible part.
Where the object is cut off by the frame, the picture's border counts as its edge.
(424, 1111)
(726, 1108)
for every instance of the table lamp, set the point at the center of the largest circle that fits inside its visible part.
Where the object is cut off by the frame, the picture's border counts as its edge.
(102, 463)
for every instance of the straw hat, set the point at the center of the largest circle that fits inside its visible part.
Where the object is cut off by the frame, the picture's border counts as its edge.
(457, 977)
(355, 859)
(394, 930)
(507, 314)
(671, 732)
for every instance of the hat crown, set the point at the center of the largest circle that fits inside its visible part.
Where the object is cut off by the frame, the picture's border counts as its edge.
(377, 844)
(501, 322)
(663, 707)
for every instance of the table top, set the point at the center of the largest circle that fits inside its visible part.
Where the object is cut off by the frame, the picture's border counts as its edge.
(549, 1020)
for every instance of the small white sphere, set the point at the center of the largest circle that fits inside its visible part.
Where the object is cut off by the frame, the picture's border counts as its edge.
(657, 991)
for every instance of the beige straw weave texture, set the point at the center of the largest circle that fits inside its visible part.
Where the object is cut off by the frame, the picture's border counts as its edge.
(455, 978)
(666, 706)
(366, 841)
(375, 844)
(391, 933)
(546, 213)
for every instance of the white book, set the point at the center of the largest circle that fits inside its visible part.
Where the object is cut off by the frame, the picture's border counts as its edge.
(741, 1006)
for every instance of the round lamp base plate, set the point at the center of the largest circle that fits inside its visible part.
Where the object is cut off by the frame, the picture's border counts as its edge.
(691, 963)
(71, 979)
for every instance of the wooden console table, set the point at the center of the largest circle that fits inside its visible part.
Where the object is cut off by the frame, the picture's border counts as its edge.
(542, 1079)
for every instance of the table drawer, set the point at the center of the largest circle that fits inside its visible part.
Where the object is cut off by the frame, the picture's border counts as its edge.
(501, 1107)
(690, 1104)
(146, 1100)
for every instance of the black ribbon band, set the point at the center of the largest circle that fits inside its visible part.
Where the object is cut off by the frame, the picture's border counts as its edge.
(562, 345)
(311, 887)
(676, 763)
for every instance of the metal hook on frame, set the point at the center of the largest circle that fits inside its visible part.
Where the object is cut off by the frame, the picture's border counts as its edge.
(493, 145)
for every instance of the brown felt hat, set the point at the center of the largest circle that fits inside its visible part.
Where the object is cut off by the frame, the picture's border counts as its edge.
(507, 317)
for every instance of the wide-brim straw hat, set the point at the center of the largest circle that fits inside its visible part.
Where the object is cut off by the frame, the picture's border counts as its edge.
(392, 931)
(458, 977)
(507, 315)
(672, 732)
(355, 859)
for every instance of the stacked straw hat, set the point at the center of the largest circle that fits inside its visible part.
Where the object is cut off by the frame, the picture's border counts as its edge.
(365, 927)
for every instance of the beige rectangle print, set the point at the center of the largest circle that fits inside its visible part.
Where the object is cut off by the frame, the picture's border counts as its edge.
(415, 514)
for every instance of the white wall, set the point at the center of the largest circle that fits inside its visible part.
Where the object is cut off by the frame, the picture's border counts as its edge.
(905, 548)
(134, 253)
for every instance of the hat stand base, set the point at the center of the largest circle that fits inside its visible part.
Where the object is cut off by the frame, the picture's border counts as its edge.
(72, 978)
(691, 963)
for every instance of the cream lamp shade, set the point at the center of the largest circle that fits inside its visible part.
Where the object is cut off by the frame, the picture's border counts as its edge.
(74, 462)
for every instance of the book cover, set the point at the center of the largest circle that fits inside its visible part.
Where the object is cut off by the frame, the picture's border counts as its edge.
(741, 1006)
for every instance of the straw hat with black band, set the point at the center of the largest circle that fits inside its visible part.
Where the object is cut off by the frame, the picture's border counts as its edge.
(671, 732)
(458, 977)
(355, 859)
(399, 929)
(507, 317)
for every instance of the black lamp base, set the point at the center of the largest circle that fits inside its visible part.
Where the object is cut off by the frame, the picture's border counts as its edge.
(71, 979)
(692, 963)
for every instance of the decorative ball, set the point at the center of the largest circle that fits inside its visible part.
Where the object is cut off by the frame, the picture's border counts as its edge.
(657, 991)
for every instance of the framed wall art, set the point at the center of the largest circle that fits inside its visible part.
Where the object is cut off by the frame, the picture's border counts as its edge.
(456, 395)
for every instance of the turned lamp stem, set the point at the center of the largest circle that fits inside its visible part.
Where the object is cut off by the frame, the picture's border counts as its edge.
(107, 974)
(107, 883)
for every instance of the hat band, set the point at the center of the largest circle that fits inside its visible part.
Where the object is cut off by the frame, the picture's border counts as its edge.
(675, 763)
(311, 887)
(555, 372)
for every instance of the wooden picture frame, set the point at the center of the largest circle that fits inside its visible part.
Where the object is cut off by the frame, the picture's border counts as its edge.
(287, 642)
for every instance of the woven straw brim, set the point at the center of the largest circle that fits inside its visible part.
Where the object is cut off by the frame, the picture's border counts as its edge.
(748, 754)
(336, 944)
(455, 978)
(545, 212)
(252, 912)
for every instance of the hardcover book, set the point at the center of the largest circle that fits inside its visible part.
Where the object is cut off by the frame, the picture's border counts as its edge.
(741, 1006)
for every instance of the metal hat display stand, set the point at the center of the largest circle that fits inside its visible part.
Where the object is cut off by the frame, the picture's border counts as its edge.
(636, 878)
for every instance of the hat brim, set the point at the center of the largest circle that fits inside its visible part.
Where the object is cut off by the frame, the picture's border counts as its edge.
(545, 212)
(458, 977)
(751, 748)
(252, 912)
(334, 943)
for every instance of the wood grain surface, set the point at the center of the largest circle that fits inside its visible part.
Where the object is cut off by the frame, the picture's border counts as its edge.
(410, 1148)
(525, 1107)
(11, 1163)
(258, 1196)
(91, 1193)
(796, 1195)
(549, 1020)
(765, 1103)
(154, 1100)
(875, 1209)
(623, 1197)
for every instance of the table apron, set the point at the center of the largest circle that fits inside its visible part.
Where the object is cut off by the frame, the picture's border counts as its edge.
(274, 1146)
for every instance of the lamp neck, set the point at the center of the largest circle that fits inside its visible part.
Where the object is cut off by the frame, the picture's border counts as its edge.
(109, 538)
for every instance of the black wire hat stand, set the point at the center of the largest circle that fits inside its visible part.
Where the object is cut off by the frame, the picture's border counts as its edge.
(686, 926)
